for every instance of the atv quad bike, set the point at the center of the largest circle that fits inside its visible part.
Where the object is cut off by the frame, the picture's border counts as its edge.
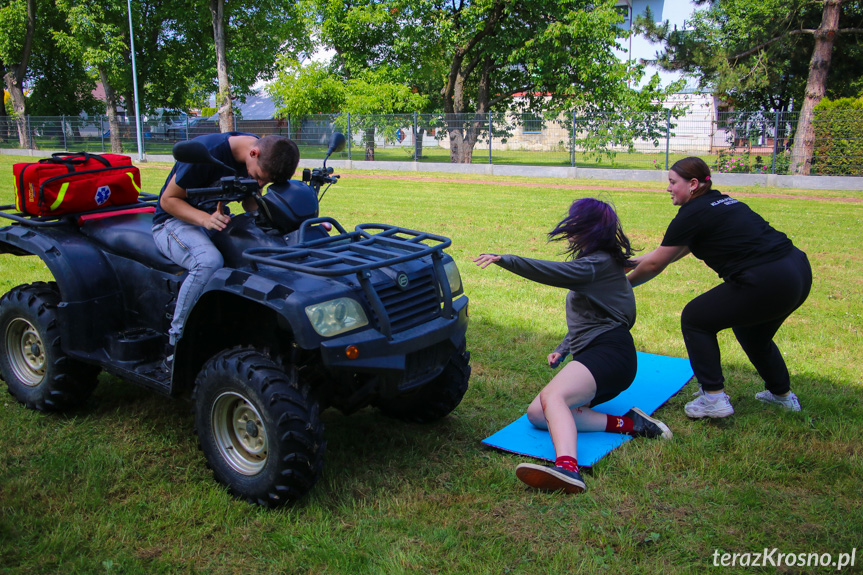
(304, 315)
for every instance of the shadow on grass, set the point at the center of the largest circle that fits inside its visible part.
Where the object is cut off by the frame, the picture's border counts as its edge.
(369, 454)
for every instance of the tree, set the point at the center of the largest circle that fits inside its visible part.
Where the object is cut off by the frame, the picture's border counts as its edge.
(173, 52)
(249, 36)
(373, 97)
(372, 39)
(223, 99)
(773, 55)
(96, 35)
(18, 20)
(479, 57)
(60, 84)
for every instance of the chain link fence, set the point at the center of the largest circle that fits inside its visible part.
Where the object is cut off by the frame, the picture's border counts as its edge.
(728, 141)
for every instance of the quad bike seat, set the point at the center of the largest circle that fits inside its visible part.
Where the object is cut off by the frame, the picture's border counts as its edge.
(129, 233)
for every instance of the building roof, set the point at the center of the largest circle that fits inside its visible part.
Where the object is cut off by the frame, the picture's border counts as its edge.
(256, 108)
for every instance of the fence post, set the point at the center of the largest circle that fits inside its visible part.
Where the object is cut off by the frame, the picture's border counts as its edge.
(187, 126)
(667, 135)
(572, 147)
(416, 131)
(489, 136)
(102, 132)
(350, 136)
(775, 141)
(63, 129)
(30, 132)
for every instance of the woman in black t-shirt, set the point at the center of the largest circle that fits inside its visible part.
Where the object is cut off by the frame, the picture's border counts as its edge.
(765, 279)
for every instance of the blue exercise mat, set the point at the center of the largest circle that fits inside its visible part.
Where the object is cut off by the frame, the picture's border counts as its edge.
(657, 379)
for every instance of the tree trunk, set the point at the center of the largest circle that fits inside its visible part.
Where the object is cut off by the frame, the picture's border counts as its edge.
(4, 118)
(223, 100)
(456, 145)
(14, 78)
(369, 141)
(19, 108)
(819, 66)
(464, 133)
(111, 111)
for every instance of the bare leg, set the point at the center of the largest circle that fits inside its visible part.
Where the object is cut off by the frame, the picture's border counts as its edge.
(586, 419)
(557, 408)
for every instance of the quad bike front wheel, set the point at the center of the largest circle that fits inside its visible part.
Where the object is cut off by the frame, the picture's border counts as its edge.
(32, 362)
(436, 399)
(258, 427)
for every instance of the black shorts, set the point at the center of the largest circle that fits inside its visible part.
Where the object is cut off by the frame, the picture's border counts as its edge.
(610, 358)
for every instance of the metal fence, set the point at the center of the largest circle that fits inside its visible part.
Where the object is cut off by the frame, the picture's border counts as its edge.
(727, 141)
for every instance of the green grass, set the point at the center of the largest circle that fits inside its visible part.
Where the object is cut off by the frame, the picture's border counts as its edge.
(119, 486)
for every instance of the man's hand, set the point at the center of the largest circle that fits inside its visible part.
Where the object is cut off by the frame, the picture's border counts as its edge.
(217, 220)
(173, 201)
(554, 359)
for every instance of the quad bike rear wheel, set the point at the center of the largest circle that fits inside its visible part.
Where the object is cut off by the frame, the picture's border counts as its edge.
(32, 362)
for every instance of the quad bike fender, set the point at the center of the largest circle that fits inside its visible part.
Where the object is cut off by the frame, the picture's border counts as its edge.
(237, 308)
(265, 292)
(89, 288)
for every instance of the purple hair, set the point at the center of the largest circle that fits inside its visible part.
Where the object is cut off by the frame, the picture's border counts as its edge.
(593, 226)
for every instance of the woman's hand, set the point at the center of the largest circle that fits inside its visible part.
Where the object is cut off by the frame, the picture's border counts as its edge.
(484, 260)
(633, 263)
(554, 359)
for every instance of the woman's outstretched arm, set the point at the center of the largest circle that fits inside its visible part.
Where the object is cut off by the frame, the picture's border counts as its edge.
(651, 264)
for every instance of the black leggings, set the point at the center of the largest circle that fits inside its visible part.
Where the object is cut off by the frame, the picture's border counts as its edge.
(754, 303)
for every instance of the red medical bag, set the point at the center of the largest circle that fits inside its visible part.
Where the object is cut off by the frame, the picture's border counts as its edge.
(72, 182)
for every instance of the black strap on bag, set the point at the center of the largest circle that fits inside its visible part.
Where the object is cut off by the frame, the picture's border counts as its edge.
(72, 159)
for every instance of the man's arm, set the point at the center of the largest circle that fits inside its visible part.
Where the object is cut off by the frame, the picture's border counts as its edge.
(651, 265)
(173, 201)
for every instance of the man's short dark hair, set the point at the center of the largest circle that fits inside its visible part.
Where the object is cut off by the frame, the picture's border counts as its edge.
(279, 157)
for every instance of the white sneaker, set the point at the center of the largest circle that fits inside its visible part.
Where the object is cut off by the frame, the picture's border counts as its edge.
(709, 405)
(789, 402)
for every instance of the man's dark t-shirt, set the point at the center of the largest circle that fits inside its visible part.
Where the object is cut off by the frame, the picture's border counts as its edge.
(726, 234)
(204, 175)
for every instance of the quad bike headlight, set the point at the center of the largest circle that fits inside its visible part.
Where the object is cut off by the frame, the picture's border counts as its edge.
(454, 278)
(336, 316)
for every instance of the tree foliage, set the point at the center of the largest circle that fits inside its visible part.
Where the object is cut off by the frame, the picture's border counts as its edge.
(490, 56)
(77, 43)
(373, 98)
(756, 55)
(771, 55)
(249, 36)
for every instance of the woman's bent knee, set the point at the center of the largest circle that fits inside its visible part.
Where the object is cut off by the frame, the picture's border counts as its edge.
(536, 415)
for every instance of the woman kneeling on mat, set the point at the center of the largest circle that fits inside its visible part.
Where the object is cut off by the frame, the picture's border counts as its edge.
(765, 279)
(600, 310)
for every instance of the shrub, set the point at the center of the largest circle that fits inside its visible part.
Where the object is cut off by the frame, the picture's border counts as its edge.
(838, 128)
(742, 163)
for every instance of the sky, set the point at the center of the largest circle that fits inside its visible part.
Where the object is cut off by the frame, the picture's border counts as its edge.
(676, 12)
